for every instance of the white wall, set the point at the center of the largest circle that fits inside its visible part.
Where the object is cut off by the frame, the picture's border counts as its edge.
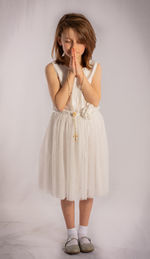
(119, 223)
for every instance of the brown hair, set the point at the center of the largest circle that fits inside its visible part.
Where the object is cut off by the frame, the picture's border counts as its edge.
(86, 34)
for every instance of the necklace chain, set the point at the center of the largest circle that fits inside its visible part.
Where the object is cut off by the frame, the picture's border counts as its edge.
(74, 112)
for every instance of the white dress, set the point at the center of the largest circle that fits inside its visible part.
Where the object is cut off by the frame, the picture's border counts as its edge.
(69, 167)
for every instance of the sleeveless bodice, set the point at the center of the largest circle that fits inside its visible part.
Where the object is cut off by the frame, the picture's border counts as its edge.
(76, 101)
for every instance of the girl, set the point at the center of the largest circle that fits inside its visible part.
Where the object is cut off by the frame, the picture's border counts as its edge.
(74, 152)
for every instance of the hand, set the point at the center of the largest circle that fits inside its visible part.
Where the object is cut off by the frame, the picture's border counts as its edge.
(78, 68)
(72, 63)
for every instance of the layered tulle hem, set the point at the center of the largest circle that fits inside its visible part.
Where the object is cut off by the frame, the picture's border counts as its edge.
(74, 169)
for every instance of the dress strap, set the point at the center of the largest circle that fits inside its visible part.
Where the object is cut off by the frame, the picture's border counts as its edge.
(58, 70)
(93, 70)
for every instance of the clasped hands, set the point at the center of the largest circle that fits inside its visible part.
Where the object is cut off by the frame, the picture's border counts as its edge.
(75, 66)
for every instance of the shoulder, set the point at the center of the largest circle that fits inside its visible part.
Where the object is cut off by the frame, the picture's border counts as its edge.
(97, 71)
(58, 69)
(96, 64)
(98, 68)
(52, 69)
(49, 66)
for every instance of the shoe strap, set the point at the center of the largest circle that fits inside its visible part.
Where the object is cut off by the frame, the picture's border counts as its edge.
(69, 239)
(85, 237)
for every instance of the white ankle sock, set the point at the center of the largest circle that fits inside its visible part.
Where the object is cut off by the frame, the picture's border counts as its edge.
(83, 230)
(72, 232)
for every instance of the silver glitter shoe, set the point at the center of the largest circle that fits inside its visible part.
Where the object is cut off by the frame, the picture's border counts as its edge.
(86, 247)
(72, 249)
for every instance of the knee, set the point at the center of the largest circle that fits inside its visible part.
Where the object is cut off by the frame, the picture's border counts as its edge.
(64, 199)
(88, 199)
(68, 201)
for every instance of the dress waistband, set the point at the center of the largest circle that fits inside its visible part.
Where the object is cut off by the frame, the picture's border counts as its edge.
(85, 112)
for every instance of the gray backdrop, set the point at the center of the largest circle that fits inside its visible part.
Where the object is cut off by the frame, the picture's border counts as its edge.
(32, 223)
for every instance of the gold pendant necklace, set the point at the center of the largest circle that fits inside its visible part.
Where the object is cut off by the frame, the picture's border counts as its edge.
(75, 114)
(75, 136)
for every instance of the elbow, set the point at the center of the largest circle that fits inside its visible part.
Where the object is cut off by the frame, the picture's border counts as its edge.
(60, 108)
(96, 104)
(98, 101)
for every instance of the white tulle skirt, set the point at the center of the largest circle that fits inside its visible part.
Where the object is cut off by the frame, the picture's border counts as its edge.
(71, 169)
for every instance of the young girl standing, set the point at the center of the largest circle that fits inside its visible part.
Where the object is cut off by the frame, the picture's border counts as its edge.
(74, 161)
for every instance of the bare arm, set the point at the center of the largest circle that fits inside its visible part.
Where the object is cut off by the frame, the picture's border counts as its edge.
(59, 95)
(92, 92)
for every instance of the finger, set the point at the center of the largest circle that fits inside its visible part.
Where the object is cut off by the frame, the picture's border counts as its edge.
(72, 53)
(75, 64)
(74, 56)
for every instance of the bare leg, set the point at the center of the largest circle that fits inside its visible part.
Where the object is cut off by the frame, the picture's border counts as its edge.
(68, 212)
(85, 207)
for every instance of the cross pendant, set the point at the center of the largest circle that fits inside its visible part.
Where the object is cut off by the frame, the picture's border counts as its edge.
(75, 136)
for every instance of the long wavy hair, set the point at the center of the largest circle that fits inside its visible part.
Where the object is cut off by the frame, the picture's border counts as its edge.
(86, 35)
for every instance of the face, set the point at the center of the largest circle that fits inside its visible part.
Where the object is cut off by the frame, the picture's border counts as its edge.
(69, 40)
